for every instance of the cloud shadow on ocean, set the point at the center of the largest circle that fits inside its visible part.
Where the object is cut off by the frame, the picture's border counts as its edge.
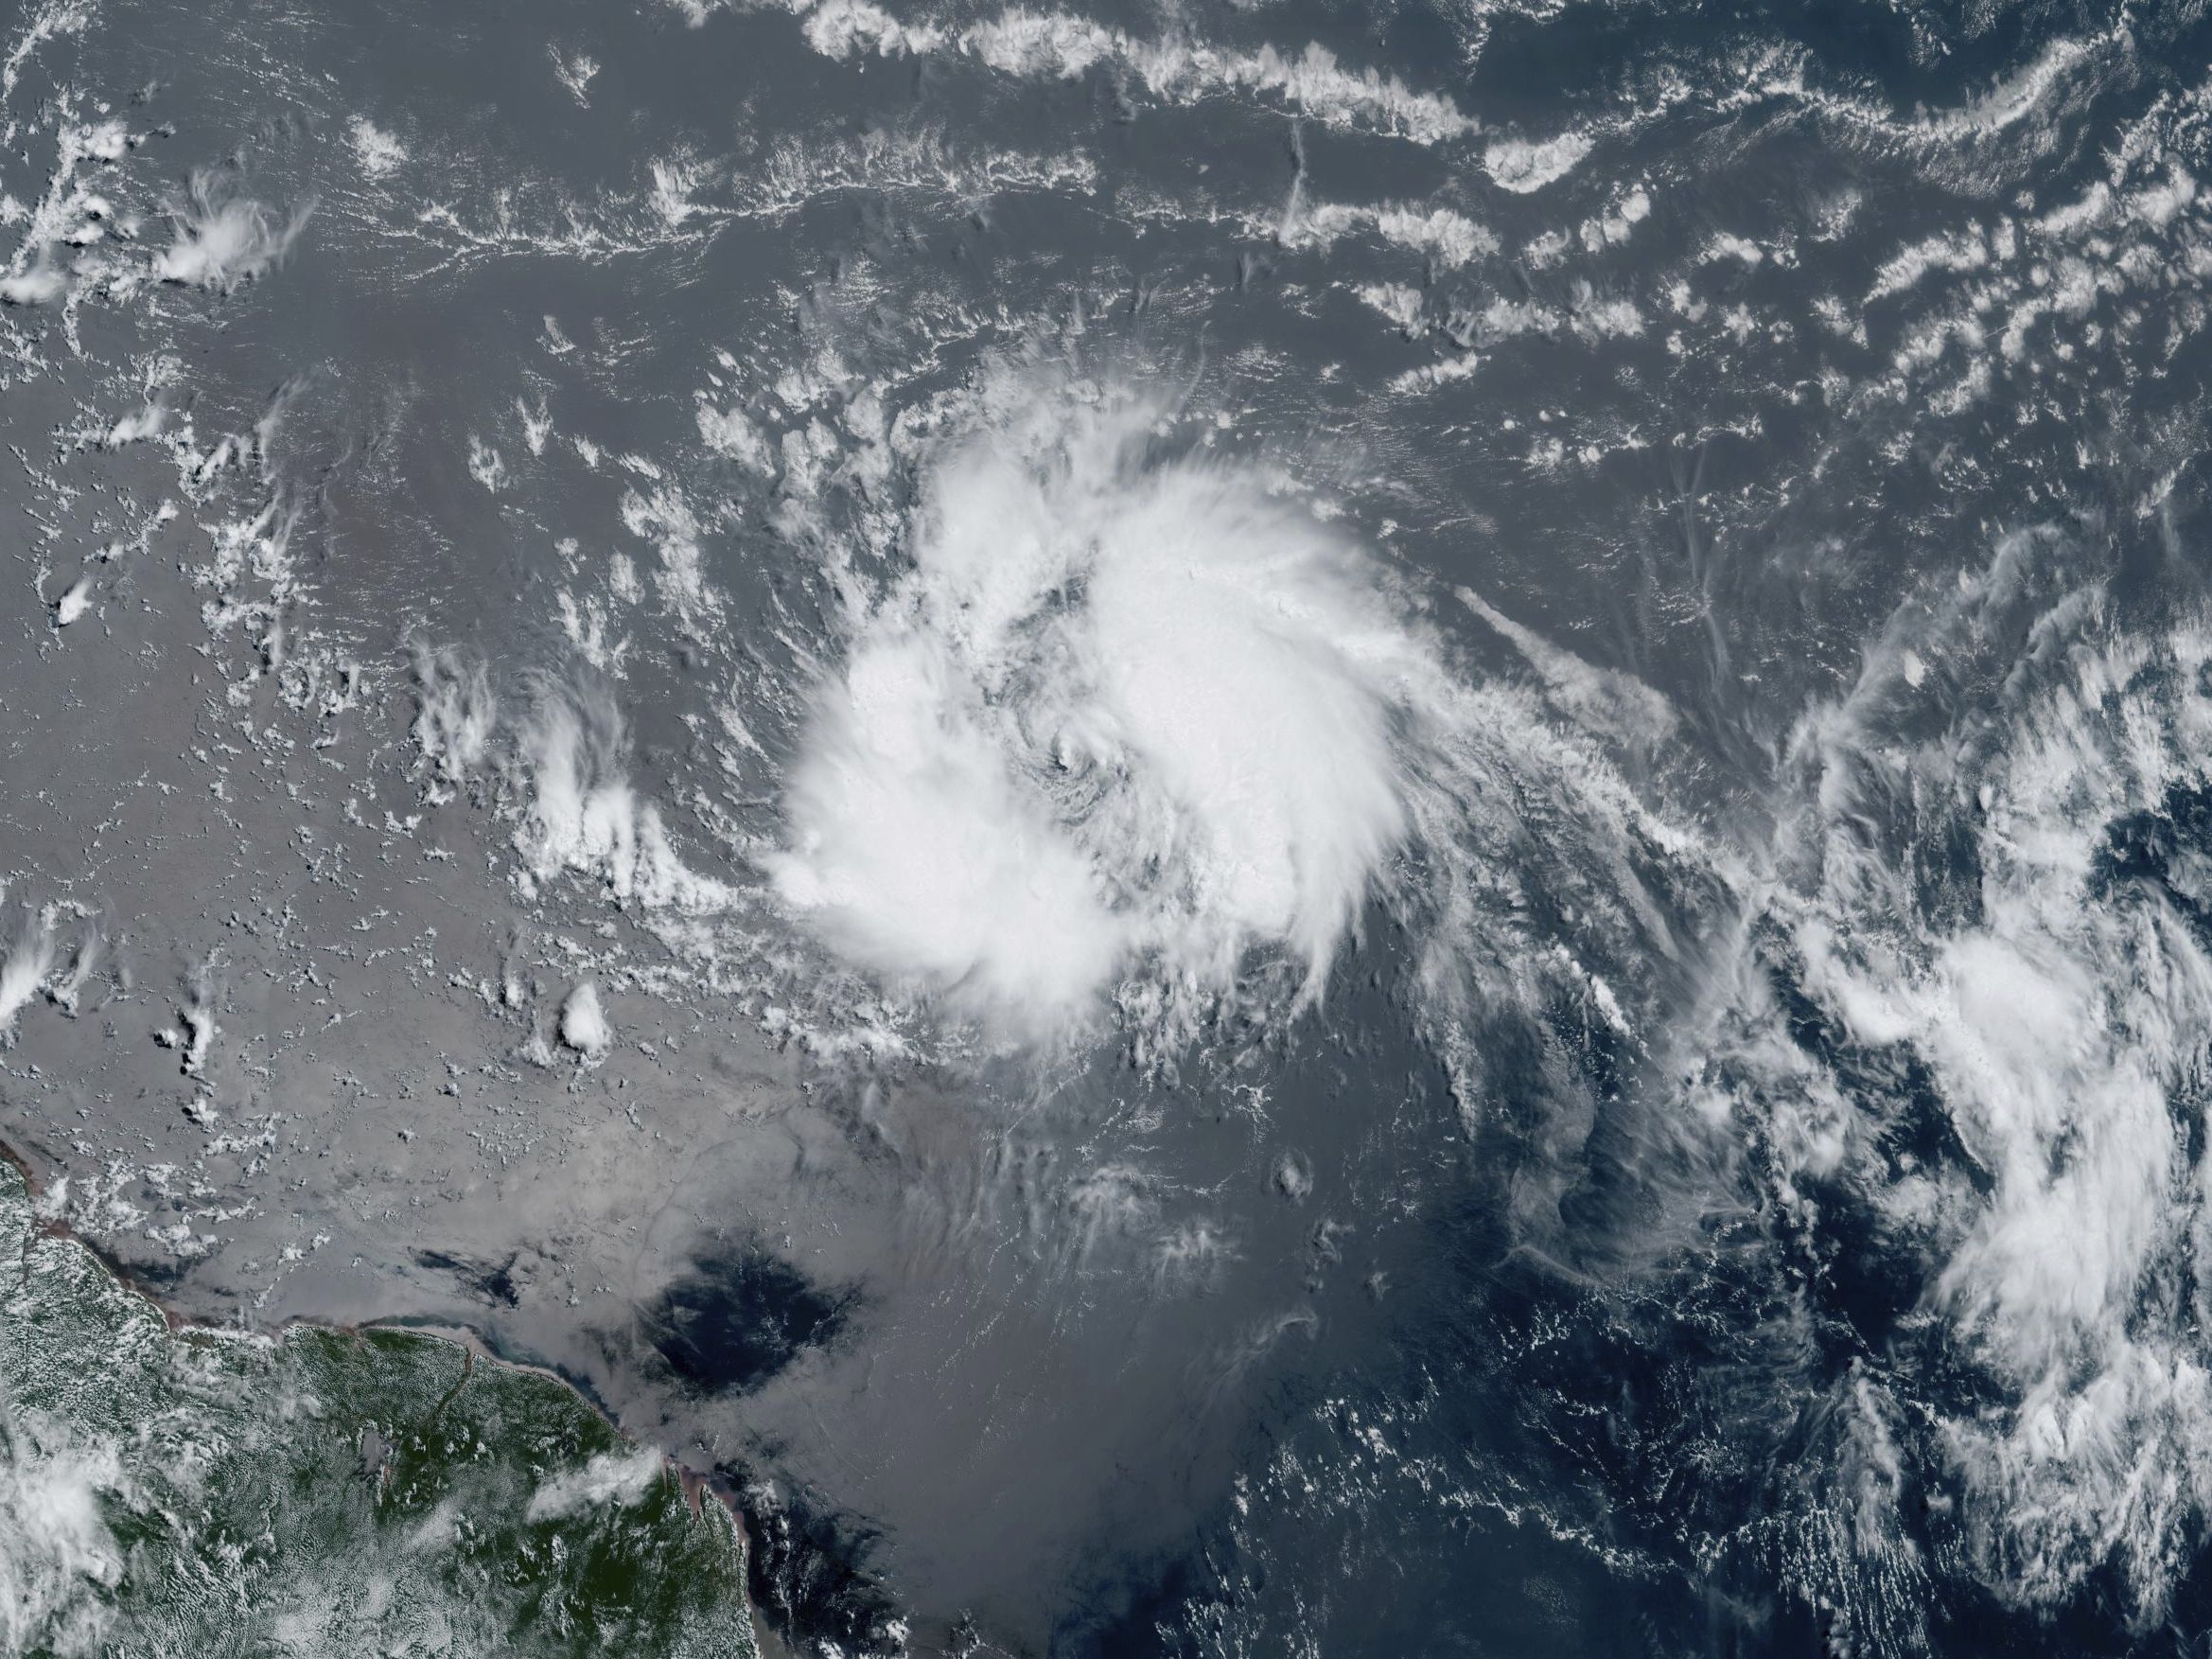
(738, 1316)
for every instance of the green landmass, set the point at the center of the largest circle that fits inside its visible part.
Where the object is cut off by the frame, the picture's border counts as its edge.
(200, 1492)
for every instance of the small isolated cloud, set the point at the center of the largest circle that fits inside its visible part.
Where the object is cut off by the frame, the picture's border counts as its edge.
(379, 153)
(223, 240)
(611, 1477)
(24, 969)
(583, 1026)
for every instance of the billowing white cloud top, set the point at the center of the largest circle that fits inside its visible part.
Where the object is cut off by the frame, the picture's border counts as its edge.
(1128, 711)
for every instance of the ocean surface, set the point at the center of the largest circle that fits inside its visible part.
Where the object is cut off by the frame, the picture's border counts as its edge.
(1225, 829)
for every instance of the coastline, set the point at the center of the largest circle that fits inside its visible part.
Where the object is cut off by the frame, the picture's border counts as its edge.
(697, 1486)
